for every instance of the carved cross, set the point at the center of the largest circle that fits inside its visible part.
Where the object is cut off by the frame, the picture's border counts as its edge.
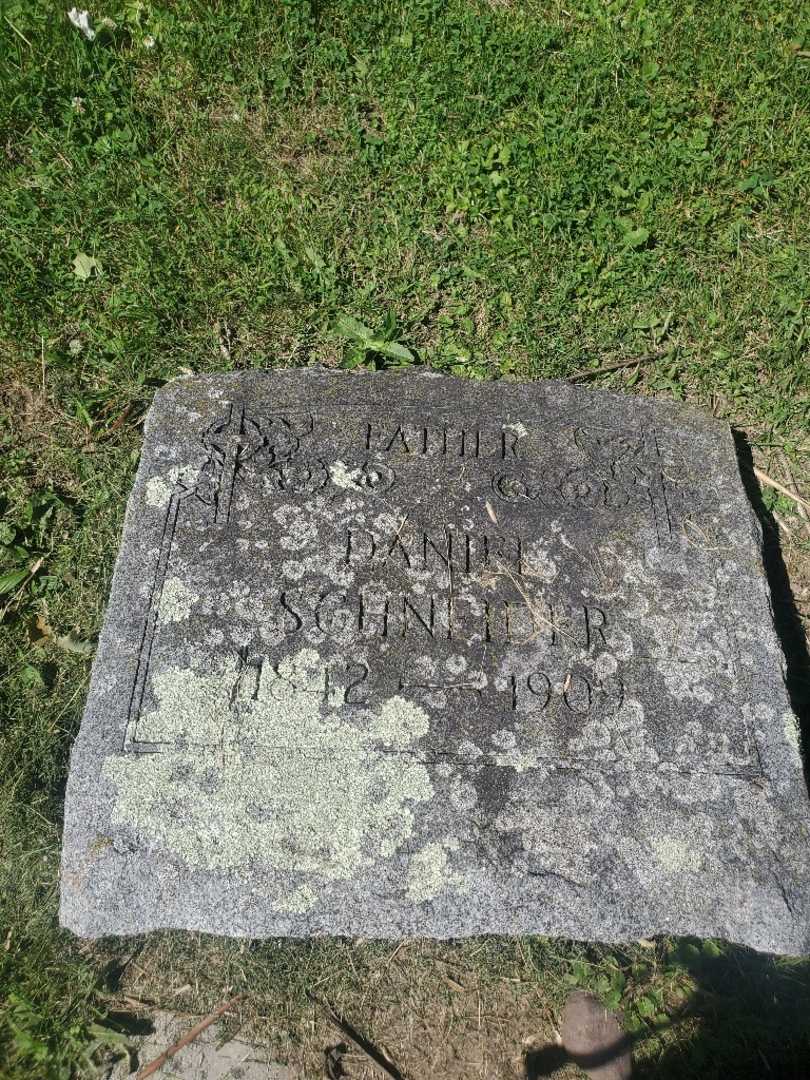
(232, 443)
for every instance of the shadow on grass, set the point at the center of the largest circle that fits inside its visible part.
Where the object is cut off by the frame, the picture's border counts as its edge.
(748, 1017)
(751, 1018)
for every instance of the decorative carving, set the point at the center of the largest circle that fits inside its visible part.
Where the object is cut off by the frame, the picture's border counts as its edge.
(580, 486)
(621, 471)
(513, 486)
(300, 477)
(373, 475)
(230, 441)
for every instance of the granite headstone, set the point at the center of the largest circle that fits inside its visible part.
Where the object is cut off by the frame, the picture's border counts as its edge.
(395, 655)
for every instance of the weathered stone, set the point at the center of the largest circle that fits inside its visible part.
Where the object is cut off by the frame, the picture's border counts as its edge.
(405, 655)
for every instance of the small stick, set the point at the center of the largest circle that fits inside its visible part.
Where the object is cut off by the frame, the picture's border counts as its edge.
(769, 480)
(369, 1049)
(116, 424)
(591, 373)
(190, 1036)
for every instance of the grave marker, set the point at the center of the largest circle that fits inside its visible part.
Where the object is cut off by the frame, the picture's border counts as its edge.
(407, 655)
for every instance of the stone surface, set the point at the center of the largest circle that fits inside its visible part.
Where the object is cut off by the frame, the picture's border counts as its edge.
(405, 655)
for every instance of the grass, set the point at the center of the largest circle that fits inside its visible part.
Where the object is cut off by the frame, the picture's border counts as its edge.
(495, 190)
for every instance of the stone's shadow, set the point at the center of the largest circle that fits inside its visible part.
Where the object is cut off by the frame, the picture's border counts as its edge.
(785, 615)
(750, 1014)
(747, 1018)
(113, 971)
(545, 1061)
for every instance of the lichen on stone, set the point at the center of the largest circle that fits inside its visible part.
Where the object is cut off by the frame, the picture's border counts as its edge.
(791, 731)
(675, 854)
(176, 600)
(157, 492)
(276, 778)
(300, 900)
(342, 476)
(430, 873)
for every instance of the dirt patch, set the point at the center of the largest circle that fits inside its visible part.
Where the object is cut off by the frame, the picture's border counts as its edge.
(435, 1010)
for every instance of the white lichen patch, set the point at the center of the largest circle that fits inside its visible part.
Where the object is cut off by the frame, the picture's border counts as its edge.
(521, 759)
(429, 871)
(328, 816)
(190, 707)
(320, 798)
(176, 601)
(187, 476)
(605, 665)
(300, 530)
(157, 492)
(293, 569)
(386, 524)
(426, 873)
(300, 900)
(538, 562)
(469, 751)
(463, 795)
(278, 708)
(675, 854)
(342, 476)
(791, 730)
(400, 722)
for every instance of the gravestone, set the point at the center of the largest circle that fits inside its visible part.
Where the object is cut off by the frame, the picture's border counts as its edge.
(403, 655)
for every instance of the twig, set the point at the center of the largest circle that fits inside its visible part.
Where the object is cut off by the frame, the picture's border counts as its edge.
(137, 1003)
(119, 420)
(190, 1036)
(770, 482)
(380, 1059)
(591, 373)
(395, 953)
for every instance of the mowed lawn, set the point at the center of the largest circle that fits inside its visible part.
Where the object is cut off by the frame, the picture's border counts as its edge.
(615, 192)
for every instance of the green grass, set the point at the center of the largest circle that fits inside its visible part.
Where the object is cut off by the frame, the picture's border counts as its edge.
(496, 190)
